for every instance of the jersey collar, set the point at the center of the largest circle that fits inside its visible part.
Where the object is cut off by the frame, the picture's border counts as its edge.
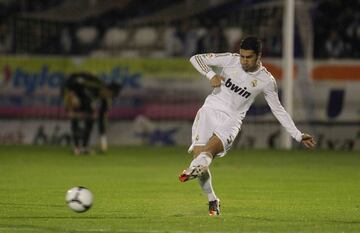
(261, 67)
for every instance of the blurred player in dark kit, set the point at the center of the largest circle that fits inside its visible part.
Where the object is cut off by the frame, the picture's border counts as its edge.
(86, 99)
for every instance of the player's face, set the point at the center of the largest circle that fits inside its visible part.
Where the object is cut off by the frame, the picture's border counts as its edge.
(248, 60)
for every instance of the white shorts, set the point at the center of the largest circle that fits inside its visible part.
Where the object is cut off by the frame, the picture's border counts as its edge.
(208, 122)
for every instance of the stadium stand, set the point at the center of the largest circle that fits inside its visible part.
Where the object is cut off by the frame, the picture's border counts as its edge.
(115, 38)
(122, 26)
(86, 37)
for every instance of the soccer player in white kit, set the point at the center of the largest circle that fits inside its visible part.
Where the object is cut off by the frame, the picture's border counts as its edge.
(219, 120)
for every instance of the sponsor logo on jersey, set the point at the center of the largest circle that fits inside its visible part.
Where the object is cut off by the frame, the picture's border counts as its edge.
(235, 88)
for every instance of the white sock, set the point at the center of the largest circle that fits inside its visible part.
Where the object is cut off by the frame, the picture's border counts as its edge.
(206, 185)
(103, 143)
(202, 159)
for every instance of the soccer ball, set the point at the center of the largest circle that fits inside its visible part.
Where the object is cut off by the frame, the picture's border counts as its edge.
(79, 199)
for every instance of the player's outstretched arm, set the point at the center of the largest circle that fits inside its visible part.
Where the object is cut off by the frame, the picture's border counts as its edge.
(308, 140)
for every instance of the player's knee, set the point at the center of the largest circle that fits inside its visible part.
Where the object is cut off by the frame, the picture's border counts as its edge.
(214, 146)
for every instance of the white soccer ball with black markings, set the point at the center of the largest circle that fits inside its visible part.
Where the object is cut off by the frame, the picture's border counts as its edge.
(79, 199)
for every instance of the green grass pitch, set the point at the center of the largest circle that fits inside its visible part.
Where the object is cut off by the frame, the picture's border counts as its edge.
(136, 190)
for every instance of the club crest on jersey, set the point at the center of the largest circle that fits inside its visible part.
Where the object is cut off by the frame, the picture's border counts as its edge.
(254, 83)
(235, 88)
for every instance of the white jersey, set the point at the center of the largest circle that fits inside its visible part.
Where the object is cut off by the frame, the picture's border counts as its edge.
(238, 91)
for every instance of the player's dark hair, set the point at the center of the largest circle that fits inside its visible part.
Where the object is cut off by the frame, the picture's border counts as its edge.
(251, 43)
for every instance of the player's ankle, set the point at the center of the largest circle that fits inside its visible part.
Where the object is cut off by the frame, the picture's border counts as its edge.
(207, 153)
(206, 157)
(202, 159)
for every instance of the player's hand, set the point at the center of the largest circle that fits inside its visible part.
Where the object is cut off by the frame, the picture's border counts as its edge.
(216, 80)
(308, 140)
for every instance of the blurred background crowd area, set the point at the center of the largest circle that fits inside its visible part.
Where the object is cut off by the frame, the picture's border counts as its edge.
(163, 28)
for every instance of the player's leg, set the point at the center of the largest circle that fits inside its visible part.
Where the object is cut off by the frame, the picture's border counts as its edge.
(88, 125)
(102, 123)
(76, 134)
(205, 181)
(204, 143)
(103, 143)
(222, 134)
(223, 131)
(218, 145)
(206, 185)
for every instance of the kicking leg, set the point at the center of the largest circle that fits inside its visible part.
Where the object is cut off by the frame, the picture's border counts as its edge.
(203, 156)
